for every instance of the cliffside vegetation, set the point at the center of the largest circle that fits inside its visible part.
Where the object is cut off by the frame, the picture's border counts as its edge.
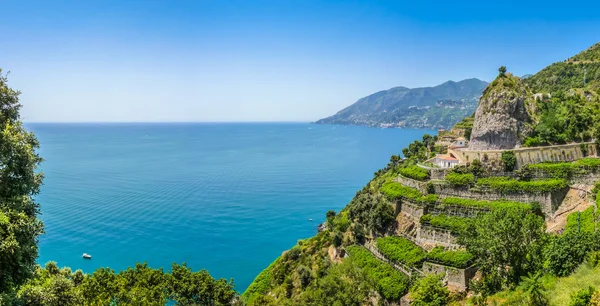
(568, 100)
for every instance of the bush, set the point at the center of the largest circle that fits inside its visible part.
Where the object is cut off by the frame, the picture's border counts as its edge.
(456, 179)
(565, 170)
(457, 259)
(506, 184)
(415, 173)
(451, 201)
(454, 224)
(391, 283)
(395, 191)
(429, 291)
(566, 252)
(582, 297)
(401, 250)
(586, 221)
(509, 160)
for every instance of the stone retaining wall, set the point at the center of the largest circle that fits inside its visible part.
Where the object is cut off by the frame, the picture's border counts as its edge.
(458, 278)
(408, 182)
(549, 201)
(412, 210)
(568, 152)
(428, 234)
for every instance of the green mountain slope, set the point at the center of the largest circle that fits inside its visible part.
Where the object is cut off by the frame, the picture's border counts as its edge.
(568, 100)
(432, 107)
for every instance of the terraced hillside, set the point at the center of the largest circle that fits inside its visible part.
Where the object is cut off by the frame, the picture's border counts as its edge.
(482, 231)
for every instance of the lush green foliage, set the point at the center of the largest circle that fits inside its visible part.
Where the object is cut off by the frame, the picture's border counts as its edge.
(457, 259)
(564, 118)
(19, 183)
(506, 244)
(535, 293)
(452, 201)
(401, 250)
(506, 184)
(429, 291)
(564, 170)
(509, 160)
(140, 285)
(261, 283)
(415, 173)
(583, 221)
(582, 297)
(565, 252)
(372, 210)
(457, 179)
(396, 191)
(454, 224)
(391, 283)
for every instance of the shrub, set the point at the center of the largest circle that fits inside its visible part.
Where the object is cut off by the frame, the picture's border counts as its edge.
(391, 283)
(506, 184)
(396, 191)
(585, 223)
(582, 297)
(454, 224)
(565, 170)
(451, 201)
(566, 252)
(401, 250)
(415, 172)
(509, 160)
(457, 259)
(456, 179)
(584, 149)
(429, 291)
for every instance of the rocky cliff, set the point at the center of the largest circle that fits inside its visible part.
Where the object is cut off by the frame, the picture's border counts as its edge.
(501, 117)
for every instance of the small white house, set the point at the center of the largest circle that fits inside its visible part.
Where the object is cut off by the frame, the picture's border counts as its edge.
(459, 143)
(444, 161)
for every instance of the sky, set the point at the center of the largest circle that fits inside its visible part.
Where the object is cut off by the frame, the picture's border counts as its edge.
(241, 60)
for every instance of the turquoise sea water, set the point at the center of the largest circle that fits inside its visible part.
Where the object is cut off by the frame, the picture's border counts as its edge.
(229, 198)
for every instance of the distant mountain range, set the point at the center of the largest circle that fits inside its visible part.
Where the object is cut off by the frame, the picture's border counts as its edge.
(440, 106)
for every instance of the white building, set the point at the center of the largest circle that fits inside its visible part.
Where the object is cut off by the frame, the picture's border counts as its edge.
(444, 161)
(460, 142)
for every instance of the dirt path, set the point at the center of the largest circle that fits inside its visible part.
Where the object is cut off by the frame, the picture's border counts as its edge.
(576, 200)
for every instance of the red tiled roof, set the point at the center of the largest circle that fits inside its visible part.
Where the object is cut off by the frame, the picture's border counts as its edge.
(446, 157)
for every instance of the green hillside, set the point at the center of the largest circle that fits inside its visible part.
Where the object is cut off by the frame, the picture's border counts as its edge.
(428, 107)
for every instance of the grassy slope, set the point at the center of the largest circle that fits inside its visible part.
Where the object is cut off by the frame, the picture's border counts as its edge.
(559, 289)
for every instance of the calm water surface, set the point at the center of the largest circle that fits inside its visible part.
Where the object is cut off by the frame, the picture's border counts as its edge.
(229, 198)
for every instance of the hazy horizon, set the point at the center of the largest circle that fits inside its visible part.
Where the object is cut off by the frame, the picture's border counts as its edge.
(265, 61)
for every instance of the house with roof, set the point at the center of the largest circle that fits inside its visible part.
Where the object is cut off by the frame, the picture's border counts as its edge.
(444, 161)
(460, 142)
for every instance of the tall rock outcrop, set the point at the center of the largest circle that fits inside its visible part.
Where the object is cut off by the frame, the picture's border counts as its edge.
(501, 117)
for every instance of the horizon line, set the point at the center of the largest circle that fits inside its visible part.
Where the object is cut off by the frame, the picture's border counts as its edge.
(168, 122)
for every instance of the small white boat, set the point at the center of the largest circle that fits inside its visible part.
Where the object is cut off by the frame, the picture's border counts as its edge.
(309, 219)
(87, 256)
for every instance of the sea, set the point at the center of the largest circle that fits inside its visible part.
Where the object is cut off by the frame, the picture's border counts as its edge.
(225, 197)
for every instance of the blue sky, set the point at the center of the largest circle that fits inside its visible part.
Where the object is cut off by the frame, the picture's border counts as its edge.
(266, 60)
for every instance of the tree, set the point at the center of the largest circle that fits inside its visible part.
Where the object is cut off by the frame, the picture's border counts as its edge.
(429, 291)
(564, 253)
(534, 290)
(507, 244)
(509, 160)
(19, 183)
(329, 216)
(502, 71)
